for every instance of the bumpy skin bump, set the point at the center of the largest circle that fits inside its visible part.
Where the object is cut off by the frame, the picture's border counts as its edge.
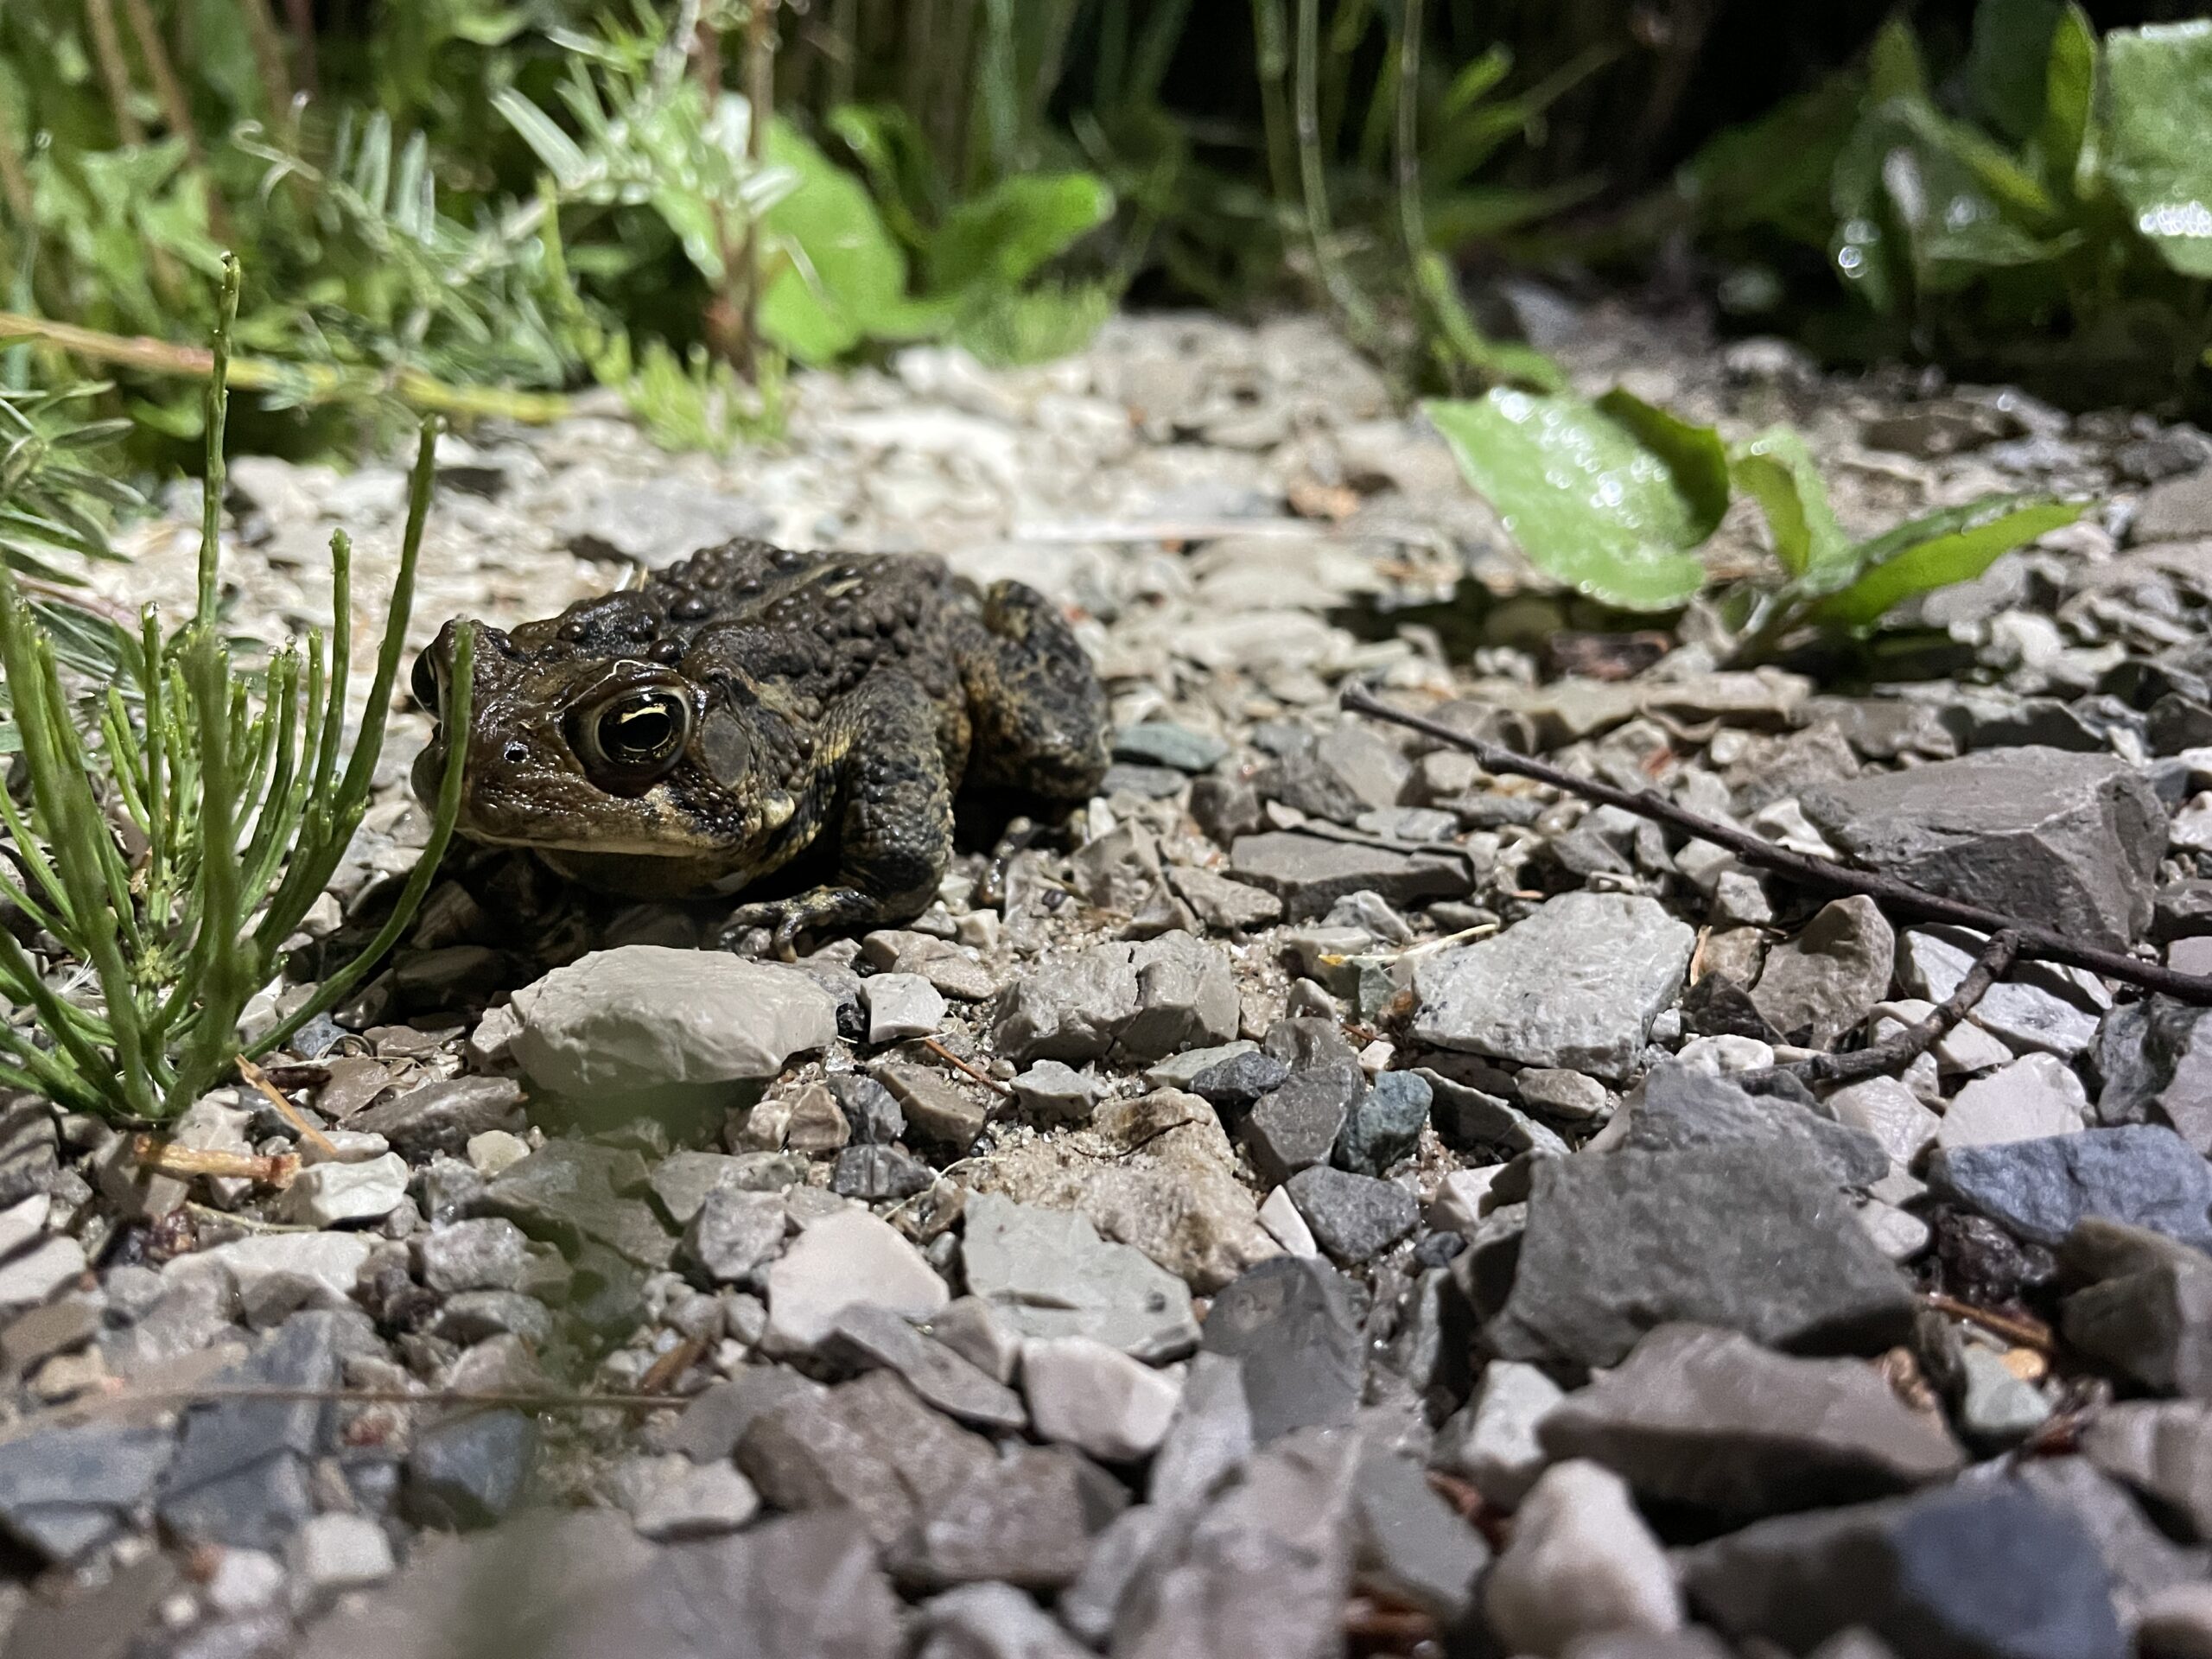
(697, 733)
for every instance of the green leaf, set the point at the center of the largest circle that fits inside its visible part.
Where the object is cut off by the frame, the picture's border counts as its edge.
(1776, 170)
(846, 278)
(2070, 89)
(1004, 235)
(2158, 92)
(2005, 65)
(1694, 454)
(1910, 563)
(1776, 470)
(1582, 493)
(1894, 65)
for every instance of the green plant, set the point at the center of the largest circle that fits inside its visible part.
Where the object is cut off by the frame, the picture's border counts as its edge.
(1615, 498)
(173, 849)
(2039, 214)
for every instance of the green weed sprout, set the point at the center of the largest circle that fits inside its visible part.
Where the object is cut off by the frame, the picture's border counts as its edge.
(172, 849)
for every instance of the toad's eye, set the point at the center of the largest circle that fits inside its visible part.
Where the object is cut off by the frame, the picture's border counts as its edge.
(635, 738)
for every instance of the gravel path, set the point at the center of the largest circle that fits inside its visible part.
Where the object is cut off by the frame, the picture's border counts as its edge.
(1308, 1210)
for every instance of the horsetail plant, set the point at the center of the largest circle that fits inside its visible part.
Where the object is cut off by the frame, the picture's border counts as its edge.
(173, 847)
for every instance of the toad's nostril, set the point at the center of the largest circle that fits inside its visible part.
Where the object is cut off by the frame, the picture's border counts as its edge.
(515, 753)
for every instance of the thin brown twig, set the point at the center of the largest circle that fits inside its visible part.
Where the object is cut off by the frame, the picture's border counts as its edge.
(1900, 1049)
(2028, 1333)
(2041, 944)
(959, 1065)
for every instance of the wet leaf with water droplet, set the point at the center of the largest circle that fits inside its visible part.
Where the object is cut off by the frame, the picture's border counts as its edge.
(1609, 499)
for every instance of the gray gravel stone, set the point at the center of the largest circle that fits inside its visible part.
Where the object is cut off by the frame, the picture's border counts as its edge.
(871, 1110)
(572, 1191)
(1234, 906)
(990, 1621)
(444, 1116)
(1581, 1562)
(470, 1471)
(1235, 1084)
(1310, 873)
(2072, 840)
(1133, 1001)
(901, 1006)
(1083, 1394)
(1756, 1238)
(1574, 985)
(241, 1475)
(1680, 1108)
(647, 1016)
(875, 1173)
(734, 1235)
(1354, 1218)
(1294, 1323)
(1046, 1273)
(1820, 984)
(868, 1338)
(1409, 1544)
(2035, 1097)
(1211, 1436)
(2162, 1448)
(1262, 1574)
(936, 1109)
(2038, 1005)
(1491, 1440)
(65, 1491)
(324, 1195)
(1056, 1093)
(1707, 1418)
(840, 1261)
(2143, 1175)
(1296, 1126)
(1386, 1122)
(2145, 1307)
(1164, 743)
(490, 1254)
(1985, 1569)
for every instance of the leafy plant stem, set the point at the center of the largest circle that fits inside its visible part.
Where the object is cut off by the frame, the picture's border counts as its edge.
(306, 383)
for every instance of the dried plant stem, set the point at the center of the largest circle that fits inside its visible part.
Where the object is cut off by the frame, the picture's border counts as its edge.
(115, 72)
(309, 383)
(269, 60)
(2041, 944)
(168, 91)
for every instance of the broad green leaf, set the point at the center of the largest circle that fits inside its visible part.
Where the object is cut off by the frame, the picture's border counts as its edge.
(846, 278)
(2005, 65)
(1694, 454)
(1002, 236)
(1923, 565)
(2158, 136)
(1584, 497)
(1776, 470)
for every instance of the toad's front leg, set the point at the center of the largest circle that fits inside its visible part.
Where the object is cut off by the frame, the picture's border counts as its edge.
(891, 806)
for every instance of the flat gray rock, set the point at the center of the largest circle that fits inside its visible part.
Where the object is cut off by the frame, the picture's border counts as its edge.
(1820, 984)
(1309, 873)
(2069, 840)
(1755, 1237)
(646, 1016)
(1294, 1323)
(1575, 985)
(1047, 1273)
(1680, 1108)
(2143, 1175)
(1989, 1569)
(571, 1190)
(1708, 1418)
(1141, 1001)
(64, 1490)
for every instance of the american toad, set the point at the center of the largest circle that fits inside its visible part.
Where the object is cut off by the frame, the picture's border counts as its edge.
(698, 733)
